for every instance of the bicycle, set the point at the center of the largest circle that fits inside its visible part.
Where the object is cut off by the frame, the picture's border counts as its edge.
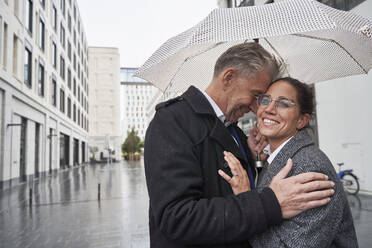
(349, 180)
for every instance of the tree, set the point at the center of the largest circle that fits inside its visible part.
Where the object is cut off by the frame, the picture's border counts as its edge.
(93, 150)
(131, 145)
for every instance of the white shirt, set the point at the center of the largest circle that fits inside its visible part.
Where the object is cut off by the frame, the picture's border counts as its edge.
(277, 150)
(220, 115)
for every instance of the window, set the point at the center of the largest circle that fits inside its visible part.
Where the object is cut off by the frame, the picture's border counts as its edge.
(41, 80)
(5, 46)
(28, 67)
(74, 113)
(69, 107)
(28, 15)
(74, 13)
(62, 100)
(69, 22)
(74, 63)
(54, 55)
(75, 38)
(15, 55)
(78, 115)
(42, 3)
(54, 91)
(63, 7)
(42, 34)
(16, 8)
(69, 78)
(54, 18)
(62, 36)
(69, 50)
(74, 87)
(78, 93)
(62, 68)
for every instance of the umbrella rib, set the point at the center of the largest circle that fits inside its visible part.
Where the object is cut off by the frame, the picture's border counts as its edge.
(281, 58)
(186, 59)
(338, 44)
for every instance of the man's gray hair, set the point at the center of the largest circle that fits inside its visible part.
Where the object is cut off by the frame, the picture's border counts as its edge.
(248, 58)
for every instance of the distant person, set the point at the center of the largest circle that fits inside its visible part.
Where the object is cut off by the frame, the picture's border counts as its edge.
(190, 204)
(283, 115)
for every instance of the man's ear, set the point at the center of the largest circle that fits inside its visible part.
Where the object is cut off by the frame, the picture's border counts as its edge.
(302, 121)
(228, 76)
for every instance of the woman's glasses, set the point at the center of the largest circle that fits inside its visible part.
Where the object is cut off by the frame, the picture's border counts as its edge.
(280, 103)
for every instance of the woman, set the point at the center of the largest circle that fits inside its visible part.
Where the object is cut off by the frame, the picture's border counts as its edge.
(282, 116)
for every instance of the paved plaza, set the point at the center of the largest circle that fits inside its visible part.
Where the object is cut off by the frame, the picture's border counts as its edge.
(65, 210)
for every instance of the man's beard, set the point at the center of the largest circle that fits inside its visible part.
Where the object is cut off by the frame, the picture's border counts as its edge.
(233, 113)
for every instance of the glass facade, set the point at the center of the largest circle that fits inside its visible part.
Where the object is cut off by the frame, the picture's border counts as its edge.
(126, 75)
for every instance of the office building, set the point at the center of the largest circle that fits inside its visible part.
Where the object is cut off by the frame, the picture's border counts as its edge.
(104, 98)
(43, 88)
(136, 95)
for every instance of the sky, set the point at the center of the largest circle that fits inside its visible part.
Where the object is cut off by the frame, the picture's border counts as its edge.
(139, 27)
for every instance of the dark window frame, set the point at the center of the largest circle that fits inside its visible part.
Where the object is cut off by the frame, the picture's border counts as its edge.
(41, 80)
(28, 71)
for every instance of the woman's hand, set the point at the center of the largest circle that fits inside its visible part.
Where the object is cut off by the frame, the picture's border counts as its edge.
(257, 143)
(239, 182)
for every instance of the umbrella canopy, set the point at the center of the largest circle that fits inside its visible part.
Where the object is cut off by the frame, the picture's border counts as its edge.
(314, 41)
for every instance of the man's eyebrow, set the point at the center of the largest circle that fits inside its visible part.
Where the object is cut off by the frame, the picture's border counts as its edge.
(257, 92)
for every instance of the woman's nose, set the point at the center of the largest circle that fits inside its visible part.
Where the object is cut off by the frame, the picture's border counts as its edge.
(271, 107)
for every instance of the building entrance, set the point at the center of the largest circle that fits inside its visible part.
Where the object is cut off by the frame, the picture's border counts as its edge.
(22, 156)
(64, 150)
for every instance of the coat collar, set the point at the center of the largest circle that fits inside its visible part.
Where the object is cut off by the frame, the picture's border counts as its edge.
(300, 140)
(198, 102)
(219, 132)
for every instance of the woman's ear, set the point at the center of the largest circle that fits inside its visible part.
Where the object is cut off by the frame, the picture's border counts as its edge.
(302, 121)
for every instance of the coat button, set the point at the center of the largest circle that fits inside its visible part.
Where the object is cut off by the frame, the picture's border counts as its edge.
(225, 165)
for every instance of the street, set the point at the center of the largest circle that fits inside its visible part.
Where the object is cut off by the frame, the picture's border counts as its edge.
(65, 210)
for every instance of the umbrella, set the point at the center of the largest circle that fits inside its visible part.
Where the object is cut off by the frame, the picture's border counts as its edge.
(314, 41)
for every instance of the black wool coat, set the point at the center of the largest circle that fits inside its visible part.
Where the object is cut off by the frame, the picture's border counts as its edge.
(190, 204)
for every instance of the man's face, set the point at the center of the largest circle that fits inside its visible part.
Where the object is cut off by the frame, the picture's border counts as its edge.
(241, 96)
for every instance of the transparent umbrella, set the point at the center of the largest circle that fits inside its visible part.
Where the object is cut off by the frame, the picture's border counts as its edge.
(315, 43)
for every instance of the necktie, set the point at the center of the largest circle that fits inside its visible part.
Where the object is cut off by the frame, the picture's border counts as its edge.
(235, 135)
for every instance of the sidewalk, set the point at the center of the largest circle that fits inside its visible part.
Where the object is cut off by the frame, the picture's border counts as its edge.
(66, 212)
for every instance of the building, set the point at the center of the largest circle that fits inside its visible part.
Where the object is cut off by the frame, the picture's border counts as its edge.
(344, 115)
(43, 88)
(136, 95)
(104, 98)
(341, 125)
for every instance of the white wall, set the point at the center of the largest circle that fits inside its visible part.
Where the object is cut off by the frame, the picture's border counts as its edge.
(344, 118)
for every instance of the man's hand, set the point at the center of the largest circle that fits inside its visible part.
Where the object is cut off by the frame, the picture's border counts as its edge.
(257, 143)
(301, 192)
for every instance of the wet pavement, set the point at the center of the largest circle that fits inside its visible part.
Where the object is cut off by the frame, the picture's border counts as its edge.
(65, 210)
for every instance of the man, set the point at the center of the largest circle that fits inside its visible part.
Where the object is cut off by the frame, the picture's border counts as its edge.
(190, 204)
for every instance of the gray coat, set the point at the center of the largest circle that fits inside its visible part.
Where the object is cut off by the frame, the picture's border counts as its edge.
(327, 226)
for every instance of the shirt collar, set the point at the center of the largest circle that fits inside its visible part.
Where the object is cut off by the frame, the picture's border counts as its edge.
(220, 115)
(277, 150)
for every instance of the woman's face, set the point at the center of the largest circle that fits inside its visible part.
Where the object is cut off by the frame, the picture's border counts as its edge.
(279, 123)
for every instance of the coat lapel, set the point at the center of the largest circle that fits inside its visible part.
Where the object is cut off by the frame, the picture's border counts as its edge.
(219, 132)
(299, 141)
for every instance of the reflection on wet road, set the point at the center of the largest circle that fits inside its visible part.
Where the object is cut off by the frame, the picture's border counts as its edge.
(65, 211)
